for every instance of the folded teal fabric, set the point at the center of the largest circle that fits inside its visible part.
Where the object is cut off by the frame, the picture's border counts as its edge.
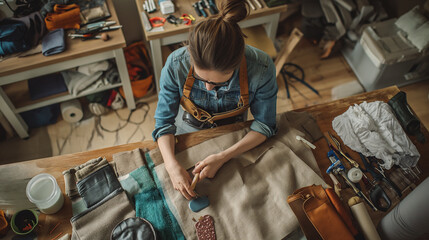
(150, 204)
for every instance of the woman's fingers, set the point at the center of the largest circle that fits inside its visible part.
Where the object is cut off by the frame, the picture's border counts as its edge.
(198, 167)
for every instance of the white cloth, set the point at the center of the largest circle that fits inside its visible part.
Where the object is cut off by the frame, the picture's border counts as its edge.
(373, 130)
(87, 77)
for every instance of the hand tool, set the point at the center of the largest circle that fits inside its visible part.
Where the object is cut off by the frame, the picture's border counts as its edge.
(376, 192)
(340, 170)
(197, 9)
(212, 7)
(157, 21)
(195, 181)
(340, 151)
(378, 173)
(174, 20)
(329, 171)
(103, 36)
(200, 7)
(188, 19)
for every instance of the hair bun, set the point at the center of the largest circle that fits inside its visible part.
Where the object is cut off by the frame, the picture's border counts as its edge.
(233, 11)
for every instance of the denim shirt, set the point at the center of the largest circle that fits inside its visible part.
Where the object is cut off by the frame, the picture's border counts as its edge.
(261, 74)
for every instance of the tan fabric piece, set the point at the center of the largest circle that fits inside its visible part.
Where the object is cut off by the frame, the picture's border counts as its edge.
(248, 194)
(128, 161)
(99, 222)
(79, 172)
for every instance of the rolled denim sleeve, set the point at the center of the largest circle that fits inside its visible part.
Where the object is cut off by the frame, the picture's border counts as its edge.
(168, 101)
(263, 105)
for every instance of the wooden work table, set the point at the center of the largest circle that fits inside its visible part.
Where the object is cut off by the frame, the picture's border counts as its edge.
(324, 114)
(171, 34)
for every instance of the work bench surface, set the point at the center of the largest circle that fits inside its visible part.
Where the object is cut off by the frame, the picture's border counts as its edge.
(323, 113)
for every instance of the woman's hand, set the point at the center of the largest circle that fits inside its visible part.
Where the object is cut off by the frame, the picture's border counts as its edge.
(208, 167)
(181, 180)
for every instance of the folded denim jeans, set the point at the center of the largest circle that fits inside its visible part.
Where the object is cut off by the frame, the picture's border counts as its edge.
(98, 185)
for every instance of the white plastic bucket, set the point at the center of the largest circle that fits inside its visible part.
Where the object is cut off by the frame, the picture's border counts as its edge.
(44, 192)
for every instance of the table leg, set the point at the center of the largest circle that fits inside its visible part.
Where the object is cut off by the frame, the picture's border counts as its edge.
(125, 78)
(8, 110)
(271, 26)
(155, 49)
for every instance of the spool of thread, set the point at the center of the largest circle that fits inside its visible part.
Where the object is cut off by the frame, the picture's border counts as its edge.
(71, 111)
(354, 174)
(364, 220)
(409, 219)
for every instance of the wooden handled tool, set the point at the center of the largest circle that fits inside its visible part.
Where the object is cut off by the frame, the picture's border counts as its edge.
(194, 181)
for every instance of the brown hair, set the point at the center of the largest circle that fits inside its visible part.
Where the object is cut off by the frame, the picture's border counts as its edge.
(217, 43)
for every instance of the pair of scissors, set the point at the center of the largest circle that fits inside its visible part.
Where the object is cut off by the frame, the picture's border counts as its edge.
(377, 194)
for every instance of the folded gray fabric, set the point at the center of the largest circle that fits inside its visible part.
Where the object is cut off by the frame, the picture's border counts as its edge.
(134, 228)
(53, 42)
(98, 185)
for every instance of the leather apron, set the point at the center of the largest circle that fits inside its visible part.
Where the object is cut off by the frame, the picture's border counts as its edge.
(204, 117)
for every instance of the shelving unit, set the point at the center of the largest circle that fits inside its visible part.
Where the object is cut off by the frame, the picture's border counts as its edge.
(77, 53)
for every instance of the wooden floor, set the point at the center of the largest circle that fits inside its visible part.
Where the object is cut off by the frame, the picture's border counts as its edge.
(323, 75)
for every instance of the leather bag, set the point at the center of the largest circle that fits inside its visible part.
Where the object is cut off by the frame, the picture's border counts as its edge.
(321, 214)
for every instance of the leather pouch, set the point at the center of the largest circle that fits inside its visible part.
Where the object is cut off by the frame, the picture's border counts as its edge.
(317, 215)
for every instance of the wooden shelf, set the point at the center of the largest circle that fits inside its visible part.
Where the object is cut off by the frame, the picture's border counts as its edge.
(20, 96)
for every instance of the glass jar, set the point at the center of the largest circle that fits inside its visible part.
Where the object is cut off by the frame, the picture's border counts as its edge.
(44, 192)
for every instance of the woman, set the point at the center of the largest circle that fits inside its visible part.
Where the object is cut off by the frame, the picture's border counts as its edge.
(215, 79)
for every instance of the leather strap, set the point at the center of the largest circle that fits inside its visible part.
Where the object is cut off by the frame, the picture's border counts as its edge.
(202, 115)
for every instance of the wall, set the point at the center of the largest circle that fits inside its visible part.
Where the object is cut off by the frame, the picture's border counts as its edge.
(129, 18)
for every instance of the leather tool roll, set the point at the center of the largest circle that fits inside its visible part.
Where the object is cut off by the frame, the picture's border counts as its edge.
(321, 214)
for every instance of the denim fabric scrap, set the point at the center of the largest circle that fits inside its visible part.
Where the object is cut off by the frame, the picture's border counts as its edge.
(98, 185)
(75, 174)
(54, 42)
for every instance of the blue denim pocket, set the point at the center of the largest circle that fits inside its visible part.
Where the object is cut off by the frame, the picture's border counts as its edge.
(96, 186)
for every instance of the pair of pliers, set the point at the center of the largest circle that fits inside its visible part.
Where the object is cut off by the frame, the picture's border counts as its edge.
(188, 19)
(157, 21)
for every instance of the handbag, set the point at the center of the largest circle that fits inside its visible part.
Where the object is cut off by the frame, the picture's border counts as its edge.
(321, 213)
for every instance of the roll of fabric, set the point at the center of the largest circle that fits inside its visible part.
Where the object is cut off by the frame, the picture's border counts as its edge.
(364, 220)
(53, 42)
(64, 16)
(409, 219)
